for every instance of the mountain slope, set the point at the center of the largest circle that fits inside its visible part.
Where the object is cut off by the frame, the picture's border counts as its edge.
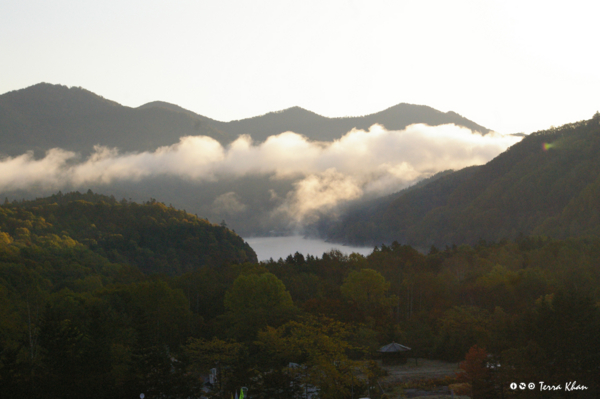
(548, 184)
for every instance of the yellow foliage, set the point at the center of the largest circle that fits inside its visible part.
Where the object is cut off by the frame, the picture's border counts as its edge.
(5, 239)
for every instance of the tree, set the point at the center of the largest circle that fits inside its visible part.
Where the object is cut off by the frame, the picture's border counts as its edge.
(475, 371)
(558, 341)
(320, 347)
(460, 328)
(367, 288)
(255, 301)
(165, 312)
(225, 356)
(257, 291)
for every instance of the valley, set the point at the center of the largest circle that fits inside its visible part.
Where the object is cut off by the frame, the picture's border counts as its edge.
(151, 277)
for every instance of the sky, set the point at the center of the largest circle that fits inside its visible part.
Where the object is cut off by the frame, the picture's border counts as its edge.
(511, 66)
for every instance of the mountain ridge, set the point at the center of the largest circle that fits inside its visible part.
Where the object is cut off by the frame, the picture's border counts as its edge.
(45, 116)
(323, 128)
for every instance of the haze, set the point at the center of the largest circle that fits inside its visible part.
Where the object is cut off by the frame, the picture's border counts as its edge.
(325, 174)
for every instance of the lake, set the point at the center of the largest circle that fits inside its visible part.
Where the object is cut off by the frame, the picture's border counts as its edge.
(281, 247)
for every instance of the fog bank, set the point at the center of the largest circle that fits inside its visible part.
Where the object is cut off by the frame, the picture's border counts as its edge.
(325, 174)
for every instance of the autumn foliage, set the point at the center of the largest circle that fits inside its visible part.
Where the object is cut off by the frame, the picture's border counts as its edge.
(476, 372)
(474, 367)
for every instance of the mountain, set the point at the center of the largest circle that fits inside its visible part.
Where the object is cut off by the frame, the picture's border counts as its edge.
(548, 184)
(46, 116)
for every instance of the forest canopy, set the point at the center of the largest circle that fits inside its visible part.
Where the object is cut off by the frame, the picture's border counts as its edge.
(158, 298)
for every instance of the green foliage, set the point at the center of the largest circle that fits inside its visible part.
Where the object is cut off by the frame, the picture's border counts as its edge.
(71, 290)
(366, 287)
(255, 301)
(257, 292)
(151, 236)
(320, 345)
(206, 354)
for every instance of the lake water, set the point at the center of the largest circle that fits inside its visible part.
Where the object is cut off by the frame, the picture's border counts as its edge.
(281, 247)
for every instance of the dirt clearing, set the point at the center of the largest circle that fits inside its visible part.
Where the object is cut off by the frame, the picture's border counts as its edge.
(426, 369)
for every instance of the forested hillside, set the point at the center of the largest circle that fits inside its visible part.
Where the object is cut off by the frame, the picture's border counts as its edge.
(151, 236)
(75, 324)
(547, 184)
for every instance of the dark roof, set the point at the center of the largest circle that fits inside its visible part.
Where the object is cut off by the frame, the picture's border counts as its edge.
(393, 347)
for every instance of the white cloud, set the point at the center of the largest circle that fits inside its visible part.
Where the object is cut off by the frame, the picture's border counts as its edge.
(376, 161)
(319, 192)
(24, 171)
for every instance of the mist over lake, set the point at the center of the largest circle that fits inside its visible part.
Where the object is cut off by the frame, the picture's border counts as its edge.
(281, 247)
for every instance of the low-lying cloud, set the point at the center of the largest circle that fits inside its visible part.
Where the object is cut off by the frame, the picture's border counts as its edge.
(228, 204)
(376, 161)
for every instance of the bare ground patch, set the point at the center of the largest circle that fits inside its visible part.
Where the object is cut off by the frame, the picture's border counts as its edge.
(424, 369)
(425, 379)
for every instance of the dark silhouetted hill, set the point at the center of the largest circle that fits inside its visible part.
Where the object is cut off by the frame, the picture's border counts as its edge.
(47, 116)
(320, 128)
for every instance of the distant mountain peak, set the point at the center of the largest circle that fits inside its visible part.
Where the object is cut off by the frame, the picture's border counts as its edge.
(54, 93)
(293, 109)
(173, 107)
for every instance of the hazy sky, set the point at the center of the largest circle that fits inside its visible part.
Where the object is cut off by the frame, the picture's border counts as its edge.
(512, 66)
